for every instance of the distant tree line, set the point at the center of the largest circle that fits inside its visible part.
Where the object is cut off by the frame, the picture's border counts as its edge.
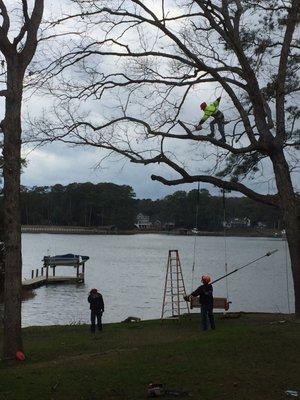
(78, 204)
(181, 208)
(105, 204)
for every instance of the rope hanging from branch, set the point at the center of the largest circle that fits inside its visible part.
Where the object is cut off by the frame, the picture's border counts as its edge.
(225, 241)
(196, 232)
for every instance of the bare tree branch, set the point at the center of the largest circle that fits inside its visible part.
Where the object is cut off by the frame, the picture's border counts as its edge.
(4, 42)
(266, 199)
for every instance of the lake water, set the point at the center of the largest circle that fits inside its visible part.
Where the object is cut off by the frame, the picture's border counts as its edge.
(130, 272)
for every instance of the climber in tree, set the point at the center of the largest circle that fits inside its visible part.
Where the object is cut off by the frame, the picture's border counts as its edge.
(212, 110)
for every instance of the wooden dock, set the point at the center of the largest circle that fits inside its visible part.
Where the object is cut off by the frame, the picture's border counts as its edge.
(33, 283)
(42, 280)
(41, 276)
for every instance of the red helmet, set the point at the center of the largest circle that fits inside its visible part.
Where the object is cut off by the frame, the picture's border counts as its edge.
(203, 106)
(205, 279)
(20, 356)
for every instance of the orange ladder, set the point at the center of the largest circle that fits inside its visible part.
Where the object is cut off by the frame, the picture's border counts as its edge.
(174, 290)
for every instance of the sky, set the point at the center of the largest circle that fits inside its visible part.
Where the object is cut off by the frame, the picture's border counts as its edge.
(59, 163)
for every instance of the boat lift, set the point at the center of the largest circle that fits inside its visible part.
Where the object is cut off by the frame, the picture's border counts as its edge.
(40, 277)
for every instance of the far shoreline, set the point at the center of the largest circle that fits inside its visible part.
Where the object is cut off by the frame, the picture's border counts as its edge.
(83, 230)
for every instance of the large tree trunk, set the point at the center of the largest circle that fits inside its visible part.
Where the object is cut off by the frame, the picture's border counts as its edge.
(291, 219)
(11, 126)
(293, 238)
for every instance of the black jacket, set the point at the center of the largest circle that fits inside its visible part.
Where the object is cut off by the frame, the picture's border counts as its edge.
(96, 302)
(205, 292)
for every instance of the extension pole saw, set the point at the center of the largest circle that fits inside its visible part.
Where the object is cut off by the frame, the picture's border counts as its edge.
(269, 253)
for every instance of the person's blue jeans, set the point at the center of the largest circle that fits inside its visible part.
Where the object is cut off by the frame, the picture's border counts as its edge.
(220, 122)
(207, 315)
(96, 315)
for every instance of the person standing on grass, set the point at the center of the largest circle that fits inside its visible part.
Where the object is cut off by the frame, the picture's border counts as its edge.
(205, 293)
(97, 308)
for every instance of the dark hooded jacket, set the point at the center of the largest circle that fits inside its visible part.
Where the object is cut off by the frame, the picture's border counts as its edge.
(96, 302)
(205, 292)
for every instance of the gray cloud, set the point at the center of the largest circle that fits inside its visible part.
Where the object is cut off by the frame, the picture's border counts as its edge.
(58, 163)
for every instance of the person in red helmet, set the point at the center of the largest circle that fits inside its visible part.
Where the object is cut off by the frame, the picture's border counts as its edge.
(97, 308)
(205, 293)
(212, 110)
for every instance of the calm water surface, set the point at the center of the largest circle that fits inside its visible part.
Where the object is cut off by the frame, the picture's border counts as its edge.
(130, 271)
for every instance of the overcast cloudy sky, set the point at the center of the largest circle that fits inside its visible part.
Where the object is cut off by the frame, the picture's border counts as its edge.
(58, 163)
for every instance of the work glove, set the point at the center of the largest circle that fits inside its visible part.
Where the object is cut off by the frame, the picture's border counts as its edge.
(186, 298)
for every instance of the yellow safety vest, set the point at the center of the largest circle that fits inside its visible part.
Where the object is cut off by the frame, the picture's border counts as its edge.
(210, 110)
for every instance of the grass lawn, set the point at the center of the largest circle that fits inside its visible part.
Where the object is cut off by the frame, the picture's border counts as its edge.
(252, 357)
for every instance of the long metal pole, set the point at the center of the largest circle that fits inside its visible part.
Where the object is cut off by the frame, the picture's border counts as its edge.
(246, 265)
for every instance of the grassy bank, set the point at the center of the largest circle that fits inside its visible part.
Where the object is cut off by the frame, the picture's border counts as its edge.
(253, 357)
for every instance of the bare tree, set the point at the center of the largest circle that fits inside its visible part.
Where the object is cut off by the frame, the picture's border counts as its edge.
(17, 47)
(145, 63)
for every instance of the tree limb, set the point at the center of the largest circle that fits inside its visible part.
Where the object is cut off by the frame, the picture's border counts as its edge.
(31, 40)
(5, 44)
(266, 199)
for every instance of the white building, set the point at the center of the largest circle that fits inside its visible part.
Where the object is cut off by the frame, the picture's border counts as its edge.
(143, 221)
(237, 223)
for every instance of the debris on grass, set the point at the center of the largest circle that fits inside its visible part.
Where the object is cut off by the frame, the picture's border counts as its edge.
(132, 319)
(278, 322)
(292, 393)
(177, 393)
(156, 389)
(159, 389)
(55, 386)
(230, 315)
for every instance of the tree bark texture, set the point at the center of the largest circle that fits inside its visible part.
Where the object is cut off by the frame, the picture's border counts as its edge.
(287, 203)
(11, 126)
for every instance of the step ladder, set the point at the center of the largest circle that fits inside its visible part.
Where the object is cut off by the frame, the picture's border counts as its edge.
(173, 303)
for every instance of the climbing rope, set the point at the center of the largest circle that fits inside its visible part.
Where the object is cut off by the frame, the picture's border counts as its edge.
(225, 242)
(195, 239)
(287, 277)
